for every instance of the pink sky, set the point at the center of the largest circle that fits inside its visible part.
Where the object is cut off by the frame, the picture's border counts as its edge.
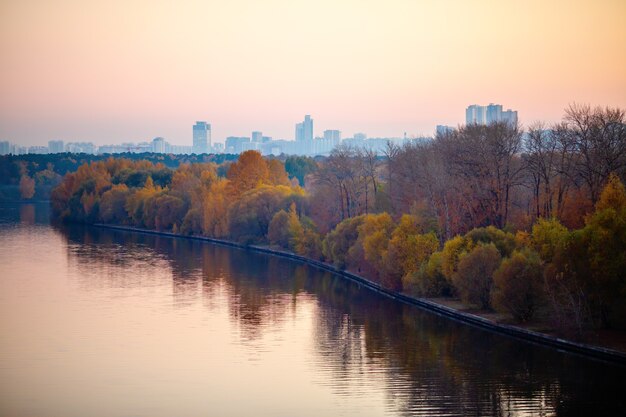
(117, 71)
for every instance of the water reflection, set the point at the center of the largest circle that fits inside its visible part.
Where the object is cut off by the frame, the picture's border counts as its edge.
(427, 364)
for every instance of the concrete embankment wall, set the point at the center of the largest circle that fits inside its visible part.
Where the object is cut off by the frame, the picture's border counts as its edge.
(596, 352)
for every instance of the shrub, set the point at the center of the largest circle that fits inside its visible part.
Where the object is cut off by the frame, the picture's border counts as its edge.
(518, 285)
(474, 277)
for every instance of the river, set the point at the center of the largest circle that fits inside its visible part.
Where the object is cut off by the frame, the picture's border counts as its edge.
(98, 322)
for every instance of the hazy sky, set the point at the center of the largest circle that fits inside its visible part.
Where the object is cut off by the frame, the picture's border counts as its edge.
(116, 71)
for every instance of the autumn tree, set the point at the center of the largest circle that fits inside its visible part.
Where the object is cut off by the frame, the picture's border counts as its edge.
(249, 216)
(429, 280)
(277, 173)
(547, 237)
(248, 172)
(518, 285)
(215, 209)
(408, 249)
(367, 254)
(336, 245)
(278, 233)
(474, 277)
(112, 204)
(140, 202)
(170, 211)
(604, 237)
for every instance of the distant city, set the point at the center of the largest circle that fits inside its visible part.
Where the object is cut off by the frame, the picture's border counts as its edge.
(305, 142)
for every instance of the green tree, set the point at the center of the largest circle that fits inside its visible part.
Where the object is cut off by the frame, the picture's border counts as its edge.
(605, 238)
(518, 285)
(474, 277)
(340, 240)
(299, 167)
(278, 233)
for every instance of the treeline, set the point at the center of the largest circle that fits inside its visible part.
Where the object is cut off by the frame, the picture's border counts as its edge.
(532, 225)
(476, 175)
(33, 176)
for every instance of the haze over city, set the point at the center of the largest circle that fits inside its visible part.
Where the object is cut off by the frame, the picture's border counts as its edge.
(110, 72)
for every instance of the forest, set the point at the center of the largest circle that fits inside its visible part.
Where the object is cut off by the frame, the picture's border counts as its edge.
(33, 176)
(530, 223)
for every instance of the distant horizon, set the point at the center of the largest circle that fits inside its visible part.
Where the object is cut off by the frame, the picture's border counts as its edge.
(113, 72)
(317, 133)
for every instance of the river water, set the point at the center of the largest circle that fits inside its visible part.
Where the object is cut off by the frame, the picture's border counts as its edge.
(97, 322)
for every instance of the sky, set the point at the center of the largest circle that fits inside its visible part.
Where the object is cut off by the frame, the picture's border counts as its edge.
(118, 71)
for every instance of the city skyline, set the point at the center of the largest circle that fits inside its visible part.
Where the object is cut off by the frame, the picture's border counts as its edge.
(102, 71)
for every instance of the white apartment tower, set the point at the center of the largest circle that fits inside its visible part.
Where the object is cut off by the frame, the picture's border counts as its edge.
(201, 137)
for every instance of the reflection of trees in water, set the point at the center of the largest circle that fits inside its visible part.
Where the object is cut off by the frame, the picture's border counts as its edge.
(428, 364)
(261, 289)
(27, 214)
(436, 365)
(117, 261)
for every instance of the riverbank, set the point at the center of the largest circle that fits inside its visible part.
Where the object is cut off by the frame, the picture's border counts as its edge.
(592, 351)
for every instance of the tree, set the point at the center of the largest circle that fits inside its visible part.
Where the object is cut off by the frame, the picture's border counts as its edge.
(451, 254)
(277, 173)
(344, 174)
(604, 237)
(429, 279)
(370, 250)
(503, 241)
(278, 233)
(474, 278)
(337, 244)
(249, 216)
(518, 285)
(599, 137)
(170, 211)
(248, 172)
(544, 162)
(215, 209)
(140, 204)
(408, 249)
(484, 164)
(310, 242)
(299, 167)
(294, 229)
(548, 235)
(112, 204)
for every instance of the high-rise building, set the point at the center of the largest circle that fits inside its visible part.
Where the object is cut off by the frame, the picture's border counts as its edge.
(494, 113)
(5, 148)
(235, 144)
(201, 137)
(475, 115)
(486, 115)
(441, 130)
(55, 146)
(510, 116)
(158, 145)
(332, 135)
(80, 147)
(257, 137)
(304, 130)
(38, 150)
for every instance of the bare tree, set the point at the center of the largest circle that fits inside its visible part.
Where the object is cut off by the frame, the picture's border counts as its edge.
(599, 137)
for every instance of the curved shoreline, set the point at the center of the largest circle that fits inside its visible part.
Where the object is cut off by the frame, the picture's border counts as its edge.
(595, 352)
